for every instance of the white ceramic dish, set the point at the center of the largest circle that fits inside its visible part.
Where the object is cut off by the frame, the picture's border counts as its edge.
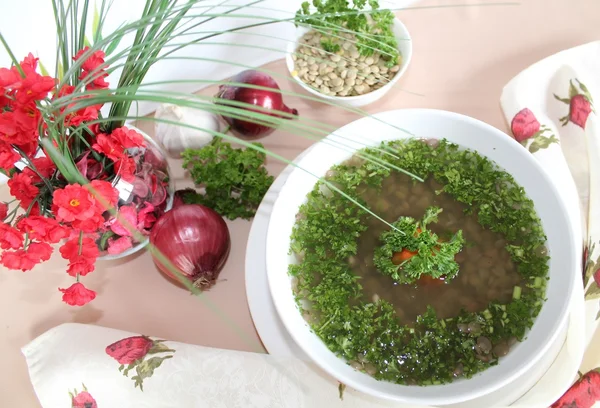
(526, 391)
(404, 46)
(466, 132)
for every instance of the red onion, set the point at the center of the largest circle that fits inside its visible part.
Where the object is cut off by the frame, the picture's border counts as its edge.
(196, 241)
(259, 97)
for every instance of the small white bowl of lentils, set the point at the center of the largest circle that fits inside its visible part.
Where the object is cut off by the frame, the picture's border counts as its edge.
(345, 76)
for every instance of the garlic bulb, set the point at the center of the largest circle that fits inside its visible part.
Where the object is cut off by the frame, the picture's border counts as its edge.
(175, 138)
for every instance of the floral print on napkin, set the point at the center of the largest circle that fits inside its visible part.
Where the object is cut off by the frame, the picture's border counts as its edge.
(583, 394)
(526, 129)
(131, 352)
(82, 399)
(580, 104)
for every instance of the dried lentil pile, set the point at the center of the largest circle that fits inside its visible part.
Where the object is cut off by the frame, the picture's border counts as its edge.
(343, 73)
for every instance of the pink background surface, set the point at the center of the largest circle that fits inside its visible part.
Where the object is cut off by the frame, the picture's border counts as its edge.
(462, 59)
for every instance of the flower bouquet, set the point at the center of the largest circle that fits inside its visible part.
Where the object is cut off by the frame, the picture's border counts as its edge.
(102, 203)
(88, 184)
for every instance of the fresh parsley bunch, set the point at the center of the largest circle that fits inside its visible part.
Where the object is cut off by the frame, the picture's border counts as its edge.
(234, 180)
(411, 250)
(373, 28)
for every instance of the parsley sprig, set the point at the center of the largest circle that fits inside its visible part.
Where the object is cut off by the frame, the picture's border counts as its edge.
(424, 253)
(373, 28)
(234, 180)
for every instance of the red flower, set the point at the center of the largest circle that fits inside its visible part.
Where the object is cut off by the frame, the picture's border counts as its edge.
(524, 125)
(25, 260)
(130, 349)
(597, 277)
(146, 217)
(91, 224)
(97, 82)
(93, 66)
(17, 260)
(10, 237)
(43, 165)
(128, 215)
(3, 211)
(81, 260)
(128, 138)
(83, 400)
(73, 203)
(109, 147)
(81, 267)
(583, 394)
(119, 245)
(40, 251)
(77, 294)
(43, 228)
(8, 157)
(579, 110)
(8, 127)
(8, 77)
(34, 87)
(106, 191)
(22, 189)
(126, 168)
(86, 114)
(92, 61)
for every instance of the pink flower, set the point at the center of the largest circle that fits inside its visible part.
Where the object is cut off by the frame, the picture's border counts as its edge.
(146, 217)
(128, 215)
(119, 245)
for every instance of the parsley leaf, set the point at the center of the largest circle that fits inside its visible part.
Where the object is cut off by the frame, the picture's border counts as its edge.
(234, 180)
(424, 253)
(373, 33)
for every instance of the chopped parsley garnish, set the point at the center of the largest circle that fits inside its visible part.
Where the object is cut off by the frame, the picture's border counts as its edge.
(431, 350)
(411, 250)
(234, 180)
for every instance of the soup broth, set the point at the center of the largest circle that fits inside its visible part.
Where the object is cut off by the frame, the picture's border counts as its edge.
(470, 287)
(487, 272)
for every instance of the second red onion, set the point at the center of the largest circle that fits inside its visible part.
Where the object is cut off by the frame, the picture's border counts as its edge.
(195, 239)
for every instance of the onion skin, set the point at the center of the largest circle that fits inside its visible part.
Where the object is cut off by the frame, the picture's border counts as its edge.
(265, 99)
(196, 240)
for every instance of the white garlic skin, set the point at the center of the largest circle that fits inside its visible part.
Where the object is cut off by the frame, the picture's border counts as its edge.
(175, 138)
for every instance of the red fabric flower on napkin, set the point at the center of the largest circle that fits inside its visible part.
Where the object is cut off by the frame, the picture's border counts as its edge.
(524, 125)
(583, 394)
(128, 350)
(83, 400)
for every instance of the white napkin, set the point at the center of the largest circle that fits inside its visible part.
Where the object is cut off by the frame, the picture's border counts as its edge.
(550, 109)
(73, 364)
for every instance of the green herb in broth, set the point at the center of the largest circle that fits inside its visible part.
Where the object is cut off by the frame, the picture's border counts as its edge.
(369, 332)
(411, 250)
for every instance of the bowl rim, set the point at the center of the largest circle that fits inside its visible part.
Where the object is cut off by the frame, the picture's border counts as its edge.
(398, 24)
(517, 370)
